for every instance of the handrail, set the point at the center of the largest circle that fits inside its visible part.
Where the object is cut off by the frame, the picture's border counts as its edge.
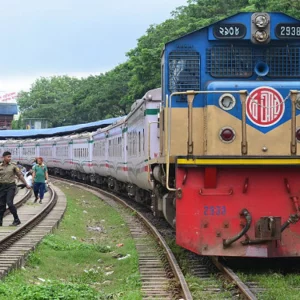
(294, 94)
(190, 143)
(168, 123)
(244, 150)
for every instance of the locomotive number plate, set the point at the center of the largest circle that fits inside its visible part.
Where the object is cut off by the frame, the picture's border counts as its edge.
(288, 31)
(229, 31)
(214, 210)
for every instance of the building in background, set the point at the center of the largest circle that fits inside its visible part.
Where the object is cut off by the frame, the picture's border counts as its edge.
(8, 108)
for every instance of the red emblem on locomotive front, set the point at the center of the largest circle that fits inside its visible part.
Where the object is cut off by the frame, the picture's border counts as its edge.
(265, 106)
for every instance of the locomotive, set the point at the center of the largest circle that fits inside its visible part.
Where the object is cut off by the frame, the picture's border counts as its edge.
(215, 150)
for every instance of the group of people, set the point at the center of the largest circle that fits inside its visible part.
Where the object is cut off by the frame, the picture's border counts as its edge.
(37, 178)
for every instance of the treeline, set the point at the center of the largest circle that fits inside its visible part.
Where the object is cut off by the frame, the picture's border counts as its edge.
(65, 100)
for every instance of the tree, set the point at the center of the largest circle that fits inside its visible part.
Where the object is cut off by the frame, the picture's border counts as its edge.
(290, 7)
(49, 98)
(144, 59)
(64, 100)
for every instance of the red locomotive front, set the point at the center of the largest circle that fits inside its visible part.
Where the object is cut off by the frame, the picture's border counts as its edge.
(229, 133)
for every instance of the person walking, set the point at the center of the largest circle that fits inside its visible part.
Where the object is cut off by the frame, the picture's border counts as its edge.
(39, 179)
(8, 171)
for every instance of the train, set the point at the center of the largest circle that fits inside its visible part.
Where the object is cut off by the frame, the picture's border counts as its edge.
(215, 150)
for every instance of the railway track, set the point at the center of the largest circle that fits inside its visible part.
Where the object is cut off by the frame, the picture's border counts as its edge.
(160, 272)
(37, 221)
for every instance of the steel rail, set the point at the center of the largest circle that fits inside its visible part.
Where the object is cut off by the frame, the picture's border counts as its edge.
(167, 251)
(20, 202)
(17, 234)
(233, 277)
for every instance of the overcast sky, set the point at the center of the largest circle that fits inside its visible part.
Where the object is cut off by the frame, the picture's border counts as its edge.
(73, 37)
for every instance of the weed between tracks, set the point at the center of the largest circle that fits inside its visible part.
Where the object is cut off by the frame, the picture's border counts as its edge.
(90, 256)
(200, 289)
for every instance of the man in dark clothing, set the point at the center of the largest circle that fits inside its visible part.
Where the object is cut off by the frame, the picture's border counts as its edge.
(8, 171)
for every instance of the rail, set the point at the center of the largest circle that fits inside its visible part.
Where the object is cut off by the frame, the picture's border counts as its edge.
(233, 277)
(15, 235)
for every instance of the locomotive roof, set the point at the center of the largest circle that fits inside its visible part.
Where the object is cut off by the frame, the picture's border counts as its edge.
(225, 19)
(57, 131)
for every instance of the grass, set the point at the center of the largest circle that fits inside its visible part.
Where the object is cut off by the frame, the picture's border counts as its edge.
(80, 260)
(277, 286)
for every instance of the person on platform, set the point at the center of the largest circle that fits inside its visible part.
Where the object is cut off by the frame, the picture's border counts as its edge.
(39, 179)
(8, 171)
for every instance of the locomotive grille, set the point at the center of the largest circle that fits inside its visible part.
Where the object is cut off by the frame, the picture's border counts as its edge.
(232, 61)
(283, 61)
(229, 61)
(184, 71)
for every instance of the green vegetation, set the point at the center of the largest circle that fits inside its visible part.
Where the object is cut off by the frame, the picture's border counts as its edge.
(276, 286)
(64, 100)
(80, 260)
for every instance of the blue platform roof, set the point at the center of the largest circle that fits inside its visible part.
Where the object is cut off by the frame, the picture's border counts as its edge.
(57, 131)
(8, 109)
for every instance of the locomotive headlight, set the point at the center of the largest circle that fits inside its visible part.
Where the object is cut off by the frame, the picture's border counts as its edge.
(261, 36)
(227, 102)
(261, 21)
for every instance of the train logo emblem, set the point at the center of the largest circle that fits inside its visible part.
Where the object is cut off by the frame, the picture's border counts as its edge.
(265, 106)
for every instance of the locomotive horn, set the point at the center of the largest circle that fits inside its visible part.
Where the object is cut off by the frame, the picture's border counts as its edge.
(261, 69)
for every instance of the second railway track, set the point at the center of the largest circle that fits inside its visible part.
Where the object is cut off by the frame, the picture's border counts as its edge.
(37, 220)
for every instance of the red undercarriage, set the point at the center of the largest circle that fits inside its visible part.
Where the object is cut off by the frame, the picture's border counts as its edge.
(216, 204)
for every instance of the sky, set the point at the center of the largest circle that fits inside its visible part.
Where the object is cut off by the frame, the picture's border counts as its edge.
(71, 37)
